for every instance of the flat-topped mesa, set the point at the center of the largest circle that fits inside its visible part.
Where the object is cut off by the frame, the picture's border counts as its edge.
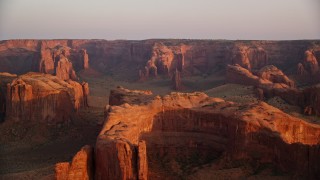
(43, 98)
(181, 124)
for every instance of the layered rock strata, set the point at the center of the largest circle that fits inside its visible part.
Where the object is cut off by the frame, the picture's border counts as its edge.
(180, 125)
(43, 98)
(81, 167)
(153, 57)
(5, 78)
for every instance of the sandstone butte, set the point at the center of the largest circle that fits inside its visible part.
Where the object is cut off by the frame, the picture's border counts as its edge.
(179, 124)
(41, 98)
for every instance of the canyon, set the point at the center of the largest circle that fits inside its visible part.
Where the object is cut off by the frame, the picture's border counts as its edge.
(161, 108)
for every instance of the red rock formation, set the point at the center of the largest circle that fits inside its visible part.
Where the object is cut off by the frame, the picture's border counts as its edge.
(274, 83)
(84, 59)
(85, 90)
(275, 75)
(180, 124)
(164, 60)
(311, 100)
(62, 170)
(81, 166)
(249, 58)
(142, 161)
(5, 78)
(199, 57)
(121, 95)
(308, 69)
(239, 75)
(42, 98)
(240, 56)
(46, 64)
(64, 69)
(310, 63)
(176, 80)
(269, 77)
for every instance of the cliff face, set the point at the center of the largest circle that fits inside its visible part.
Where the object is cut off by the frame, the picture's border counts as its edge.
(308, 68)
(176, 80)
(5, 78)
(311, 100)
(45, 56)
(153, 57)
(43, 98)
(81, 166)
(178, 126)
(64, 69)
(249, 58)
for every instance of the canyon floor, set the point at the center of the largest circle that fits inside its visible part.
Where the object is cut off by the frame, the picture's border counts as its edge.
(31, 153)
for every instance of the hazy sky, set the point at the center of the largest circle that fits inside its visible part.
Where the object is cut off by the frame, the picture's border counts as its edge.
(144, 19)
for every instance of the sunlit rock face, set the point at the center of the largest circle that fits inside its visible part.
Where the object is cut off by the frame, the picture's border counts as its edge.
(44, 56)
(43, 98)
(150, 58)
(143, 132)
(81, 166)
